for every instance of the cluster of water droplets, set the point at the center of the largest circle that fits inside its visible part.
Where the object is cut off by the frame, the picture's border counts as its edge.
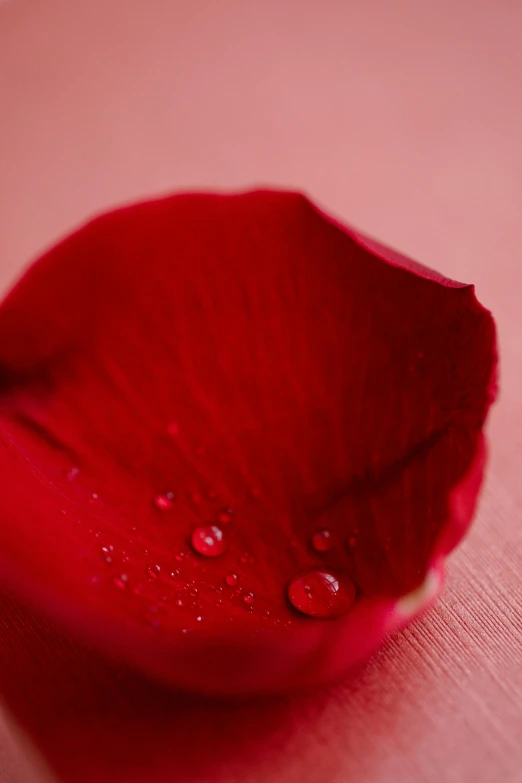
(317, 592)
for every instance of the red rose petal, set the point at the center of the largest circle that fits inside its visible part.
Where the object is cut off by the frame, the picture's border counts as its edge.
(317, 381)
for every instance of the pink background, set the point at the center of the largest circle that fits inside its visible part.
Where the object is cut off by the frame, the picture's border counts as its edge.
(404, 117)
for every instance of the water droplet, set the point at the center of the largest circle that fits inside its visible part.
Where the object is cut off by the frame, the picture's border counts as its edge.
(153, 571)
(199, 619)
(225, 515)
(93, 498)
(134, 529)
(137, 589)
(248, 599)
(174, 574)
(108, 548)
(208, 540)
(193, 590)
(266, 615)
(173, 429)
(246, 557)
(322, 541)
(178, 602)
(219, 602)
(321, 593)
(231, 579)
(164, 501)
(72, 474)
(120, 581)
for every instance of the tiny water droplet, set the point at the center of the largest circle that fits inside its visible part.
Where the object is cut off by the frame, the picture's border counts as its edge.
(72, 474)
(231, 579)
(208, 541)
(64, 511)
(193, 591)
(93, 498)
(225, 515)
(120, 581)
(320, 593)
(174, 574)
(179, 556)
(266, 615)
(173, 429)
(248, 599)
(137, 589)
(322, 541)
(199, 619)
(134, 529)
(164, 501)
(219, 602)
(108, 560)
(153, 571)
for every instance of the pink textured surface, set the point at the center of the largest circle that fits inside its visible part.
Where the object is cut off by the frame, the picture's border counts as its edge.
(402, 117)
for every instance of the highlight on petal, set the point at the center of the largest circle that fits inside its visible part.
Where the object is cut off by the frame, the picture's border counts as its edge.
(205, 398)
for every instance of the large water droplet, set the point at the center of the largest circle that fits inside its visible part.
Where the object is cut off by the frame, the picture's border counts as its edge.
(322, 541)
(321, 593)
(208, 540)
(164, 501)
(231, 579)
